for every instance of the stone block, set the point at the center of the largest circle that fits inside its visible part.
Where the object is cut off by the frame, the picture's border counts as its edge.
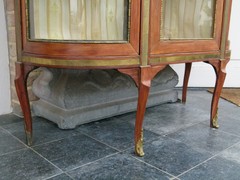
(74, 97)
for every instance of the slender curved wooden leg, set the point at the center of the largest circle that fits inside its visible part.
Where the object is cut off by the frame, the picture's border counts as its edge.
(220, 70)
(188, 67)
(22, 72)
(143, 89)
(146, 76)
(142, 78)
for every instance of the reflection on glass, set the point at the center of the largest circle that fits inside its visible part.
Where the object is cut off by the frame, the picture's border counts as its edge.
(187, 19)
(94, 20)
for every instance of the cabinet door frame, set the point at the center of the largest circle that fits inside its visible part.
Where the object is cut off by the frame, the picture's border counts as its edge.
(159, 47)
(78, 50)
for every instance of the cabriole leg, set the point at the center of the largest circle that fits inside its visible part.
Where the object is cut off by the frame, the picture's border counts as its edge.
(144, 88)
(220, 69)
(22, 72)
(188, 67)
(146, 75)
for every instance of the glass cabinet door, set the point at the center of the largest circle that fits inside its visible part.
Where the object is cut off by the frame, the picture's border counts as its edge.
(81, 27)
(187, 19)
(81, 20)
(184, 26)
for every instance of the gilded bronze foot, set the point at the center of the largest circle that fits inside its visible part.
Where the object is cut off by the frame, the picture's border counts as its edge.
(215, 121)
(28, 138)
(139, 146)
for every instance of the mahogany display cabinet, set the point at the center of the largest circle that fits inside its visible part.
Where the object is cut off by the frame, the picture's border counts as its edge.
(136, 37)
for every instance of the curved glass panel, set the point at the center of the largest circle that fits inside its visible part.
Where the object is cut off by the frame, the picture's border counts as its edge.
(90, 20)
(187, 19)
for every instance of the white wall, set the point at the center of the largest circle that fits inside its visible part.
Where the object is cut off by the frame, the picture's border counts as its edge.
(202, 74)
(5, 103)
(233, 78)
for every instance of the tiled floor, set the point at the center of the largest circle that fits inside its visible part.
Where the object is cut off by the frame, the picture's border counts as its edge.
(178, 144)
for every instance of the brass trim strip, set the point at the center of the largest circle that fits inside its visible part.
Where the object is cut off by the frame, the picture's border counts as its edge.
(225, 28)
(145, 32)
(81, 63)
(171, 59)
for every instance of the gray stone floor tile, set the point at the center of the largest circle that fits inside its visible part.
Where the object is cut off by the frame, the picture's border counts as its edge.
(9, 119)
(200, 99)
(25, 164)
(74, 151)
(172, 156)
(43, 131)
(232, 154)
(188, 144)
(203, 138)
(168, 118)
(128, 117)
(60, 177)
(117, 134)
(118, 167)
(214, 169)
(228, 125)
(9, 143)
(229, 122)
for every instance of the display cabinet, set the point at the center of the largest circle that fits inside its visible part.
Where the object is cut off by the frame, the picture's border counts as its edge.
(136, 37)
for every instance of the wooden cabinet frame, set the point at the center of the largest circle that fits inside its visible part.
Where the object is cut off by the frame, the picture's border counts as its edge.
(142, 58)
(77, 50)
